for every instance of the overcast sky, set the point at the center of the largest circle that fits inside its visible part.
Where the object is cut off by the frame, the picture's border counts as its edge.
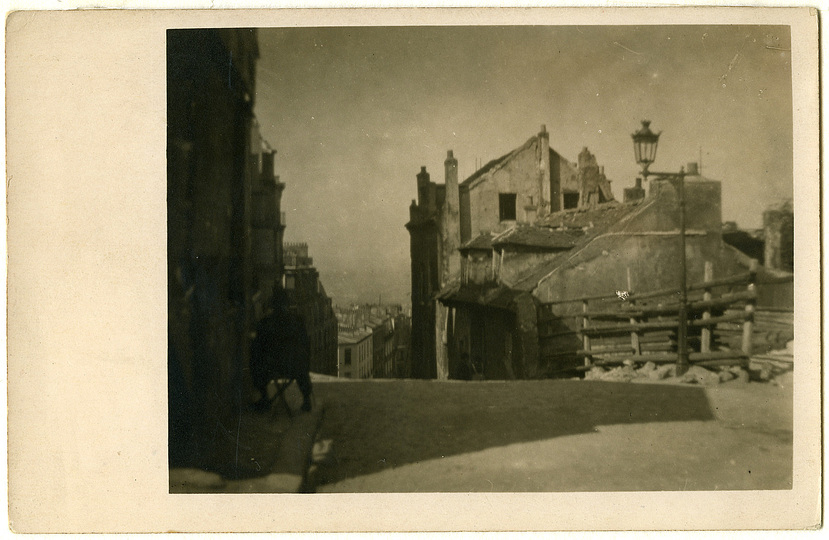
(355, 112)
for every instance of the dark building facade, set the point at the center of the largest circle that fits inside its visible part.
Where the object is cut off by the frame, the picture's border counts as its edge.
(224, 239)
(749, 242)
(402, 346)
(434, 231)
(307, 294)
(267, 226)
(210, 89)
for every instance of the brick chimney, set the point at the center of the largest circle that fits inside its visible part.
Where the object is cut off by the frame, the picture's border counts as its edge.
(425, 195)
(636, 193)
(692, 169)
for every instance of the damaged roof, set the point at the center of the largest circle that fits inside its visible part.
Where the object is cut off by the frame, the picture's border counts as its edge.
(482, 241)
(536, 237)
(499, 297)
(599, 217)
(592, 222)
(568, 171)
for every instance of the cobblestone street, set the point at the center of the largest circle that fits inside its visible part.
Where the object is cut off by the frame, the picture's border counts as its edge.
(566, 435)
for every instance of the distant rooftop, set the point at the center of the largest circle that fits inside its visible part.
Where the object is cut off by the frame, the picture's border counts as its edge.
(351, 338)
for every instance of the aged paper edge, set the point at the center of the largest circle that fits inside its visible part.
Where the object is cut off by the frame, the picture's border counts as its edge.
(87, 351)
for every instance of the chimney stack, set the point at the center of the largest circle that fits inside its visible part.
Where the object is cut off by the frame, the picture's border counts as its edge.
(451, 220)
(424, 193)
(692, 169)
(451, 166)
(543, 160)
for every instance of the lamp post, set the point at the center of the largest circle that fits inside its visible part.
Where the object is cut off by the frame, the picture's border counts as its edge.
(645, 143)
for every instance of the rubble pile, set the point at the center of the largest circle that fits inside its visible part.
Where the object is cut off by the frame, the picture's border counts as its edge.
(695, 375)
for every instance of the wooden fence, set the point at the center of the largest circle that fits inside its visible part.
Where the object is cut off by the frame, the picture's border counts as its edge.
(626, 325)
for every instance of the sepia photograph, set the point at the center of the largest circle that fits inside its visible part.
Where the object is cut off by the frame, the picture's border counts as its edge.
(408, 259)
(428, 262)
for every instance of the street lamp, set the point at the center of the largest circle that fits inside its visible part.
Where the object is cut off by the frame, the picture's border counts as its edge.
(645, 143)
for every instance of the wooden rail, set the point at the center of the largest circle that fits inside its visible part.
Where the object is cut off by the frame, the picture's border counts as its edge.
(738, 279)
(632, 329)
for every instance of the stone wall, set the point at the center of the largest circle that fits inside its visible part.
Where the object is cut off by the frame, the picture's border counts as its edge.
(514, 262)
(602, 266)
(645, 245)
(703, 206)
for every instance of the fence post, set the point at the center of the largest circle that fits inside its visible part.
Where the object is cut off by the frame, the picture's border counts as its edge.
(588, 360)
(705, 338)
(748, 324)
(634, 334)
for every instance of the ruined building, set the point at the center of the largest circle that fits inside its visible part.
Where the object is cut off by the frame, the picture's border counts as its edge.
(778, 233)
(433, 227)
(518, 188)
(536, 228)
(773, 246)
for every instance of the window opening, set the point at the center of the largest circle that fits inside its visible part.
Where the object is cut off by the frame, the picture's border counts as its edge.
(506, 206)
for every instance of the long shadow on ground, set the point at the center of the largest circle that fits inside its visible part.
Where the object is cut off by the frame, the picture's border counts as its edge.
(379, 425)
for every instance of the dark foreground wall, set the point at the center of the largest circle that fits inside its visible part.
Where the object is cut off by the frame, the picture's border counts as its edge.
(210, 83)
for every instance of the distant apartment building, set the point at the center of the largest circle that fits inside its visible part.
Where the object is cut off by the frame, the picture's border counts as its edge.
(382, 329)
(390, 330)
(307, 294)
(355, 354)
(402, 345)
(267, 223)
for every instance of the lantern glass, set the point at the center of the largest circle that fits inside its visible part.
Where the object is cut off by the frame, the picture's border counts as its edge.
(645, 143)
